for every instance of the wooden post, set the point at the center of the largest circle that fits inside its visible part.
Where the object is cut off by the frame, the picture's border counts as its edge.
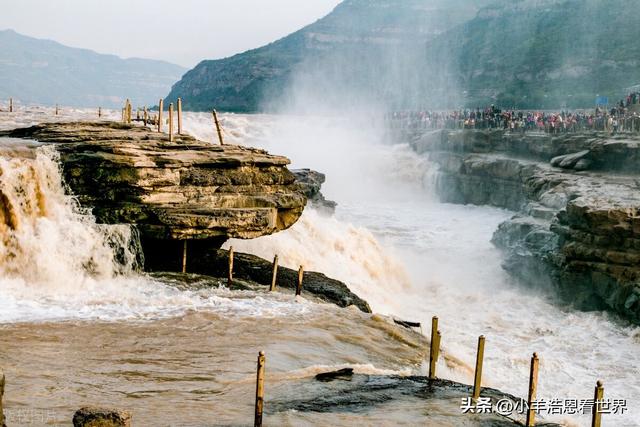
(171, 122)
(218, 127)
(597, 405)
(160, 107)
(99, 111)
(179, 116)
(259, 390)
(477, 383)
(433, 353)
(184, 257)
(300, 277)
(230, 278)
(533, 388)
(274, 275)
(2, 419)
(57, 109)
(11, 105)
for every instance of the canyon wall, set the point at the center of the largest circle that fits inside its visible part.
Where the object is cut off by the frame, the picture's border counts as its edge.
(577, 203)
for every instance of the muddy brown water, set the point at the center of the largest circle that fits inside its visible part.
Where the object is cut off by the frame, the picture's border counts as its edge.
(198, 368)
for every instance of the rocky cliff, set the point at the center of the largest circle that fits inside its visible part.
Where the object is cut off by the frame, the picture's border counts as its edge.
(544, 53)
(578, 202)
(431, 54)
(364, 50)
(188, 195)
(173, 191)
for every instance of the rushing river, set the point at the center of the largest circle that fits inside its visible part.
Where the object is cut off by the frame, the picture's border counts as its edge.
(81, 325)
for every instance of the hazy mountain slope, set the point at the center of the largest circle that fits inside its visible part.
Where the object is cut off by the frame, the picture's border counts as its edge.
(365, 46)
(547, 53)
(434, 54)
(43, 71)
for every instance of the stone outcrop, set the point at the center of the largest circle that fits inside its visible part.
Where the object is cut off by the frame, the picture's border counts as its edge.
(358, 393)
(189, 194)
(100, 417)
(311, 183)
(255, 269)
(187, 189)
(578, 202)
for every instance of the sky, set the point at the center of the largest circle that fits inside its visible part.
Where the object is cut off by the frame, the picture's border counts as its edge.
(180, 31)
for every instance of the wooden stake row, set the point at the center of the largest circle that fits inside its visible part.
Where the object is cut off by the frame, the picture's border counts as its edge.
(533, 377)
(274, 274)
(126, 118)
(145, 118)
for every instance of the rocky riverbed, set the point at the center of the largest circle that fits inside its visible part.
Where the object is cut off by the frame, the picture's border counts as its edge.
(577, 198)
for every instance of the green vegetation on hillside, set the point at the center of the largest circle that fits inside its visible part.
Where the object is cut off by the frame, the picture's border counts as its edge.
(429, 54)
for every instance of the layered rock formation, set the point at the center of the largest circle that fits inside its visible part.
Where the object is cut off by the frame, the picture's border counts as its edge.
(188, 194)
(186, 189)
(525, 53)
(578, 203)
(311, 182)
(364, 50)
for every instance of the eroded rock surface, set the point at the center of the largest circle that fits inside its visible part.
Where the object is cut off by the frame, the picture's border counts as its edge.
(187, 189)
(256, 269)
(578, 202)
(311, 182)
(100, 417)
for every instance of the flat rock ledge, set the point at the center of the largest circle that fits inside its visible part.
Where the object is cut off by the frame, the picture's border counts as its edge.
(181, 190)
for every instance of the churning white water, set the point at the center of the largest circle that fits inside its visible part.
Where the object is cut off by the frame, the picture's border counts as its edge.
(56, 263)
(414, 258)
(390, 241)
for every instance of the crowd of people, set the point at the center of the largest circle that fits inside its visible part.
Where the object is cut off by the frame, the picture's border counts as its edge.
(625, 116)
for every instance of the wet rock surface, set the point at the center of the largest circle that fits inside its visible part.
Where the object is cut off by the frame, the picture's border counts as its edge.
(188, 192)
(311, 182)
(186, 189)
(258, 270)
(365, 393)
(100, 417)
(578, 203)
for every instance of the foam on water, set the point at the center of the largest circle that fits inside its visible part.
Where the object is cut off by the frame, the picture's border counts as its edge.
(412, 257)
(406, 254)
(57, 263)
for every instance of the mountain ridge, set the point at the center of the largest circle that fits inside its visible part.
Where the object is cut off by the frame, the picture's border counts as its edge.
(414, 54)
(45, 71)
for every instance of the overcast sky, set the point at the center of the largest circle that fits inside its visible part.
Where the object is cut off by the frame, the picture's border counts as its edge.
(180, 31)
